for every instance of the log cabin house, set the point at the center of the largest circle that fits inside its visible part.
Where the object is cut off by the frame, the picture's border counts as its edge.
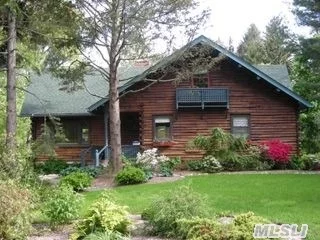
(244, 99)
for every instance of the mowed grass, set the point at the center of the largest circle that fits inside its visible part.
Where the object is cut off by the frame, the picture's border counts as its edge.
(282, 198)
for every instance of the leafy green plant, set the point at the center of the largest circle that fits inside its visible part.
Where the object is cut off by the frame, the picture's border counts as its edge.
(92, 171)
(194, 165)
(206, 229)
(167, 167)
(15, 203)
(103, 216)
(77, 180)
(130, 175)
(210, 164)
(166, 209)
(62, 205)
(202, 229)
(52, 165)
(107, 235)
(311, 161)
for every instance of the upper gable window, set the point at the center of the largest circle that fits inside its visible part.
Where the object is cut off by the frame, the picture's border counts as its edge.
(200, 81)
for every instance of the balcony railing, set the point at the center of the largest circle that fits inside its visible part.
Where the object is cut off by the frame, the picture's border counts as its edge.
(202, 98)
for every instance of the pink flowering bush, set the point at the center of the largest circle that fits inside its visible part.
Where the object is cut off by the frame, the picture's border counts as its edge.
(277, 151)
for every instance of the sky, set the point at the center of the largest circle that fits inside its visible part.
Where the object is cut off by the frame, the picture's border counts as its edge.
(231, 18)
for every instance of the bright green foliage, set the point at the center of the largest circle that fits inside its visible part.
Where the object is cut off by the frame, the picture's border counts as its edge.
(166, 209)
(244, 225)
(130, 175)
(77, 180)
(107, 235)
(15, 203)
(202, 229)
(103, 216)
(52, 165)
(207, 229)
(62, 205)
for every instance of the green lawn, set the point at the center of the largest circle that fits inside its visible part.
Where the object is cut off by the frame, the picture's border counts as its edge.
(283, 198)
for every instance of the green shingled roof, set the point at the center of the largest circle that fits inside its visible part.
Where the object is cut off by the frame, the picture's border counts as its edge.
(44, 97)
(51, 100)
(277, 72)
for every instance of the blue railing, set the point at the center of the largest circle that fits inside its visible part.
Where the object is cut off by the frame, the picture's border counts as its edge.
(202, 97)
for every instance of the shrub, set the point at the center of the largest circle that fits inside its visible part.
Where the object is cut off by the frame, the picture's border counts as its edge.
(62, 205)
(210, 164)
(52, 165)
(206, 229)
(130, 175)
(277, 151)
(167, 167)
(15, 203)
(244, 225)
(311, 161)
(202, 229)
(165, 210)
(150, 161)
(103, 216)
(77, 180)
(108, 235)
(92, 171)
(194, 165)
(230, 161)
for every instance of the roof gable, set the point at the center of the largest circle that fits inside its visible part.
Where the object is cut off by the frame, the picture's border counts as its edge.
(50, 100)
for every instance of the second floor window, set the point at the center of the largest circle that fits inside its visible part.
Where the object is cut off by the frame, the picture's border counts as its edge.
(200, 81)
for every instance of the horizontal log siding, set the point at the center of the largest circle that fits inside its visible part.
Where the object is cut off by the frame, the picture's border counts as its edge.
(272, 114)
(71, 152)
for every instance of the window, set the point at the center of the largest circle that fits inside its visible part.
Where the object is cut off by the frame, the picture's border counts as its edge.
(75, 132)
(200, 81)
(162, 128)
(240, 125)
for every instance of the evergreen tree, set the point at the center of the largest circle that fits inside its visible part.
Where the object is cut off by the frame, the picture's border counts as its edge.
(306, 73)
(251, 46)
(278, 42)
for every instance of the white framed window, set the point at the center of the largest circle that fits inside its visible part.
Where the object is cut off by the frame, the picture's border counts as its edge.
(162, 128)
(240, 125)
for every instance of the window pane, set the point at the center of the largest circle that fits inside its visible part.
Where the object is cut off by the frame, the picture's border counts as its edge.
(240, 121)
(200, 81)
(71, 133)
(240, 126)
(162, 127)
(85, 135)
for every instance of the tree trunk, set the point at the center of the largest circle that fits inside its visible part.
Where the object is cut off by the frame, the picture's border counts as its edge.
(115, 123)
(11, 84)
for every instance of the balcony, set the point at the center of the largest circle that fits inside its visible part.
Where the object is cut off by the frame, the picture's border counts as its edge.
(202, 98)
